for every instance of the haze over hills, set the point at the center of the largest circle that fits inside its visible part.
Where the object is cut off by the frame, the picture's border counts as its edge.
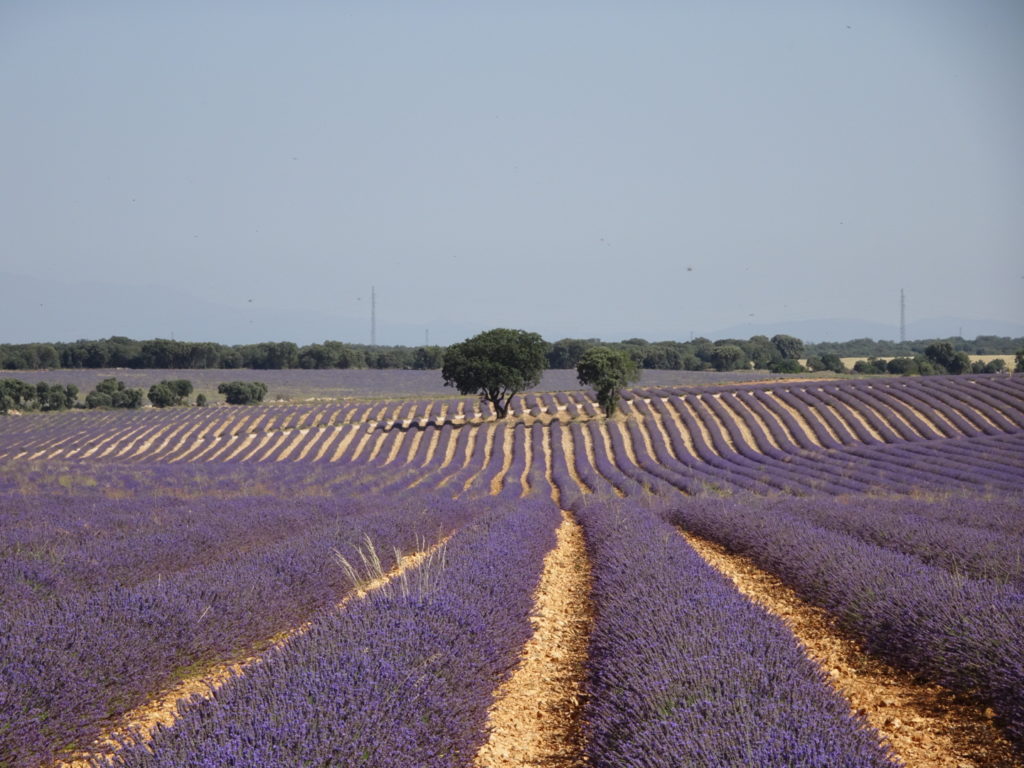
(34, 310)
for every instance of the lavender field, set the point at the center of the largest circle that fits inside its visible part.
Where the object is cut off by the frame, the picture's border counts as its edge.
(232, 548)
(300, 384)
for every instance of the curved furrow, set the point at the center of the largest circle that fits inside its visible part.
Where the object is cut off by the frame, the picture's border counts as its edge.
(894, 422)
(495, 436)
(856, 420)
(431, 442)
(689, 476)
(474, 453)
(910, 415)
(948, 420)
(314, 437)
(898, 466)
(345, 442)
(1008, 392)
(333, 435)
(704, 460)
(618, 455)
(185, 427)
(503, 454)
(962, 458)
(818, 406)
(540, 477)
(788, 416)
(877, 422)
(458, 449)
(813, 469)
(357, 447)
(983, 403)
(818, 470)
(810, 419)
(754, 424)
(203, 439)
(679, 436)
(628, 445)
(579, 458)
(515, 462)
(599, 454)
(302, 439)
(780, 432)
(755, 469)
(564, 467)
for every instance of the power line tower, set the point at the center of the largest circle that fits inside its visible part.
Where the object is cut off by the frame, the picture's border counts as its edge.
(373, 316)
(903, 316)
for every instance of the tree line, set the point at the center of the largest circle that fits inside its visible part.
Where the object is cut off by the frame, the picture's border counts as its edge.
(778, 354)
(980, 345)
(122, 352)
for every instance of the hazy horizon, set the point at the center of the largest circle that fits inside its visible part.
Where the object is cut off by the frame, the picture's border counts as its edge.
(246, 172)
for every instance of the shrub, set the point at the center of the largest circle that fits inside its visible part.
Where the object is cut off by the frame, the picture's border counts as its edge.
(787, 365)
(243, 392)
(111, 393)
(170, 392)
(902, 366)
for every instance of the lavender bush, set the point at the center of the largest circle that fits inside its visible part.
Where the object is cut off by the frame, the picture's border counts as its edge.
(685, 671)
(87, 631)
(401, 678)
(960, 632)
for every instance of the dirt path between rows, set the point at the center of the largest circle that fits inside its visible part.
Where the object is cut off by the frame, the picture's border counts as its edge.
(925, 725)
(138, 725)
(535, 720)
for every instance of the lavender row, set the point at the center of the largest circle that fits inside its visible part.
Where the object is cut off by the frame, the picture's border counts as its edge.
(818, 473)
(960, 632)
(791, 477)
(400, 678)
(947, 464)
(739, 476)
(56, 548)
(685, 671)
(951, 533)
(800, 473)
(691, 476)
(74, 660)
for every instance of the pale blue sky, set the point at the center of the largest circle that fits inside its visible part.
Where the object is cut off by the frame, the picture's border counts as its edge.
(242, 171)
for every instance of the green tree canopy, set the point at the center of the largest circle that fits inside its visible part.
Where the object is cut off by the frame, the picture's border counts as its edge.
(727, 357)
(170, 392)
(111, 393)
(607, 371)
(495, 364)
(20, 395)
(943, 356)
(243, 392)
(789, 347)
